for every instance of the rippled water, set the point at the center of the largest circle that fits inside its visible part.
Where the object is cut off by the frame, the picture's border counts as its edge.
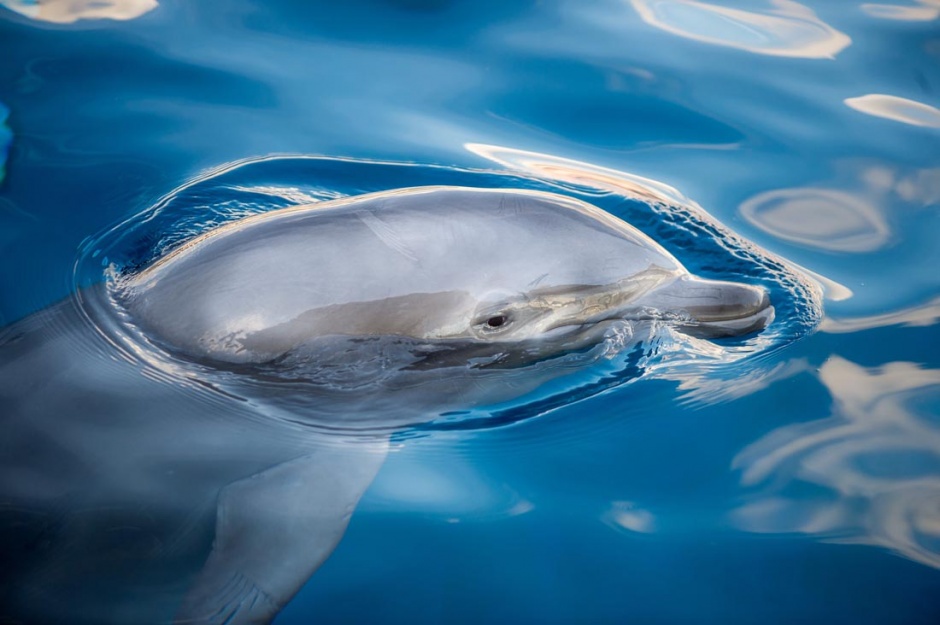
(791, 476)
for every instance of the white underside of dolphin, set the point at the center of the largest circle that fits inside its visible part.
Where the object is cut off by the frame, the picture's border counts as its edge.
(373, 312)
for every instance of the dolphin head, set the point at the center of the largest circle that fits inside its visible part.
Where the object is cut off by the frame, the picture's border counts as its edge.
(482, 267)
(699, 307)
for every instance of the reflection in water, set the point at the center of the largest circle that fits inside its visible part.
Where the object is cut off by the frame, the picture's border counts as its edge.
(581, 173)
(787, 29)
(922, 11)
(451, 488)
(916, 316)
(867, 207)
(820, 218)
(898, 109)
(876, 459)
(832, 290)
(629, 516)
(709, 388)
(922, 186)
(68, 11)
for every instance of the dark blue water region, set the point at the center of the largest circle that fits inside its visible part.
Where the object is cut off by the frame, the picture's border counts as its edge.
(5, 137)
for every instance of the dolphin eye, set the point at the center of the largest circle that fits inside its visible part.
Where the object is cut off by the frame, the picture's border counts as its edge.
(496, 321)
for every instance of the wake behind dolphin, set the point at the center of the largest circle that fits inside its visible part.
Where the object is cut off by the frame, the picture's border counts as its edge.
(144, 411)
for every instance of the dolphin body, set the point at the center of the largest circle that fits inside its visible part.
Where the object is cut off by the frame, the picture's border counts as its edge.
(189, 443)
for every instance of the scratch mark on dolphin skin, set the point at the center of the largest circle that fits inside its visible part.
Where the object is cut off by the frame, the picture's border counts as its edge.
(510, 205)
(537, 281)
(386, 234)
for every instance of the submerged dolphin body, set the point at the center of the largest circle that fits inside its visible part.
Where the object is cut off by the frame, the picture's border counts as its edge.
(168, 448)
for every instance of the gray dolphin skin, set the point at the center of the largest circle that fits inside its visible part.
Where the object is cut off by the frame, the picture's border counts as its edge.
(428, 263)
(188, 443)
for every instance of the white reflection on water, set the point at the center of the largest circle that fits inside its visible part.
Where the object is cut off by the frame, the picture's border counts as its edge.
(629, 516)
(921, 11)
(451, 488)
(925, 314)
(293, 194)
(69, 11)
(897, 109)
(866, 207)
(876, 461)
(922, 186)
(713, 388)
(581, 173)
(785, 28)
(818, 218)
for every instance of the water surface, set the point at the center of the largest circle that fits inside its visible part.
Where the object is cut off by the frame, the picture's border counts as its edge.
(765, 139)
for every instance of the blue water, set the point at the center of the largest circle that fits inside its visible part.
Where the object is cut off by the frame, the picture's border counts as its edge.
(798, 485)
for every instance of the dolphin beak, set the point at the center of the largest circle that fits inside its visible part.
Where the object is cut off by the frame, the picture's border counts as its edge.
(716, 308)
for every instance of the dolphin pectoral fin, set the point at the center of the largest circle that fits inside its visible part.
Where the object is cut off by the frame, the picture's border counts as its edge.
(274, 529)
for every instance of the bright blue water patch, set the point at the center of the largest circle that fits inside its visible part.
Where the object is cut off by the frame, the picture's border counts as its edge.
(799, 484)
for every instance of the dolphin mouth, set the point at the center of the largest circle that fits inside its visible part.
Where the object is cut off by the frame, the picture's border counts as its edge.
(723, 309)
(713, 308)
(730, 326)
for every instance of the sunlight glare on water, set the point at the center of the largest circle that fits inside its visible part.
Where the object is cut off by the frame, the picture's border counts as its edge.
(783, 28)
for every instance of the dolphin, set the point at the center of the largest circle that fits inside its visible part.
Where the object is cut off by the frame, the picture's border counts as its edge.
(187, 442)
